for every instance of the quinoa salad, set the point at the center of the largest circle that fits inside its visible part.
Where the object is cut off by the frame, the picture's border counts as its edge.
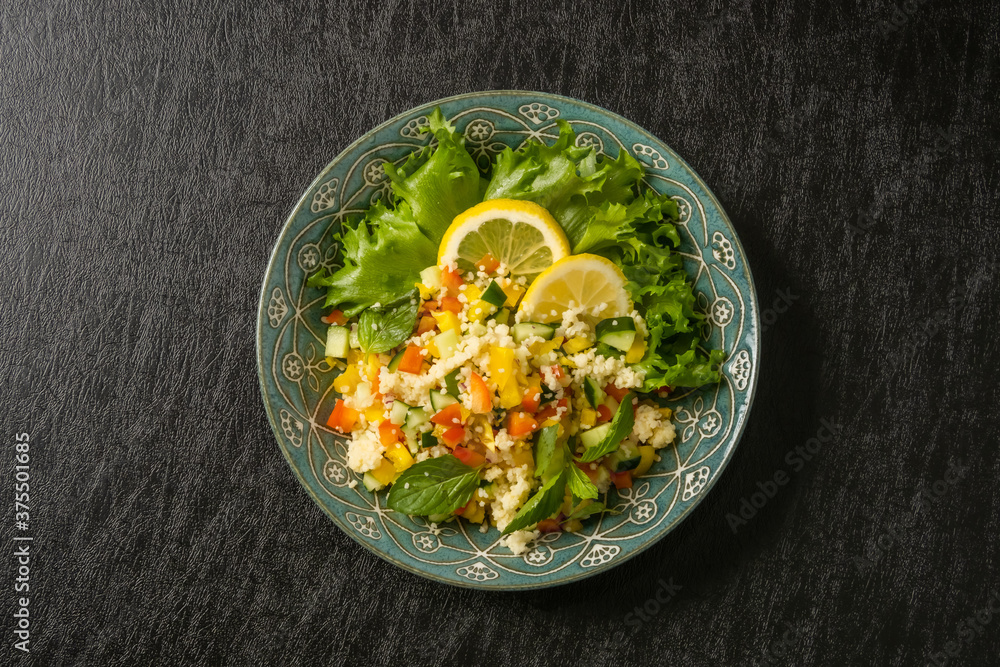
(506, 341)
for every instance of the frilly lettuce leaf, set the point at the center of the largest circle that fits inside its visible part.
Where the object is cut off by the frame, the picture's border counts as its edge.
(384, 252)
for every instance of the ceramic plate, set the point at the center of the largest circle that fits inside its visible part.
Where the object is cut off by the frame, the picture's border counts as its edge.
(296, 381)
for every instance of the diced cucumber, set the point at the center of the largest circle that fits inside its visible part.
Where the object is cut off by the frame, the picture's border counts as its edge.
(438, 518)
(451, 382)
(494, 295)
(524, 330)
(371, 483)
(412, 440)
(416, 418)
(428, 440)
(446, 343)
(431, 277)
(441, 400)
(618, 332)
(626, 457)
(394, 362)
(354, 340)
(397, 414)
(338, 341)
(593, 436)
(503, 317)
(593, 392)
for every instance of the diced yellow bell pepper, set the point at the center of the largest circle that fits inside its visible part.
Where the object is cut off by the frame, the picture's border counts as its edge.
(400, 457)
(354, 357)
(513, 291)
(375, 413)
(479, 310)
(566, 361)
(374, 366)
(578, 344)
(637, 351)
(487, 433)
(538, 349)
(588, 417)
(475, 514)
(432, 349)
(510, 395)
(472, 293)
(522, 456)
(647, 452)
(572, 526)
(385, 472)
(447, 321)
(501, 365)
(425, 291)
(347, 382)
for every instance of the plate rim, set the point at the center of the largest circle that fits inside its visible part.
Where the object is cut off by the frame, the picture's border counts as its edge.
(754, 312)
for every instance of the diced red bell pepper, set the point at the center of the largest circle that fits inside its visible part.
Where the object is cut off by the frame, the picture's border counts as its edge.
(532, 397)
(342, 418)
(412, 360)
(551, 411)
(488, 263)
(548, 526)
(336, 317)
(451, 303)
(429, 306)
(453, 436)
(622, 480)
(469, 457)
(388, 433)
(452, 280)
(482, 398)
(604, 414)
(448, 416)
(615, 392)
(520, 424)
(427, 323)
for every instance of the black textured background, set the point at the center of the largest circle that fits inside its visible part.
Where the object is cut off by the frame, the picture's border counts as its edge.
(149, 153)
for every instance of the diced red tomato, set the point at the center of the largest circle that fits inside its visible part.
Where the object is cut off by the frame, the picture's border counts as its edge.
(664, 391)
(427, 323)
(453, 436)
(615, 392)
(520, 424)
(429, 305)
(469, 457)
(532, 397)
(548, 526)
(342, 418)
(488, 263)
(482, 398)
(603, 414)
(336, 317)
(412, 360)
(448, 416)
(388, 433)
(451, 303)
(452, 280)
(622, 480)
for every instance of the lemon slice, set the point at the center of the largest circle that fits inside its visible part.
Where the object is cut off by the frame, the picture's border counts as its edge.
(583, 281)
(519, 234)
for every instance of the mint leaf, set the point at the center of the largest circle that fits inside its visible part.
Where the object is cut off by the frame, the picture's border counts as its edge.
(545, 449)
(542, 505)
(589, 509)
(580, 484)
(381, 329)
(621, 426)
(436, 486)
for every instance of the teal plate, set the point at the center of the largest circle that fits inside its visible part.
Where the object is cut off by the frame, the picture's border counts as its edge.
(297, 383)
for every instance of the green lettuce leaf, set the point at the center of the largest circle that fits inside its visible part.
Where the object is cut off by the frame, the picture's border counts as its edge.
(384, 252)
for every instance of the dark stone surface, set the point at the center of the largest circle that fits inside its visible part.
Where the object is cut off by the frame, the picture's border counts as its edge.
(149, 153)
